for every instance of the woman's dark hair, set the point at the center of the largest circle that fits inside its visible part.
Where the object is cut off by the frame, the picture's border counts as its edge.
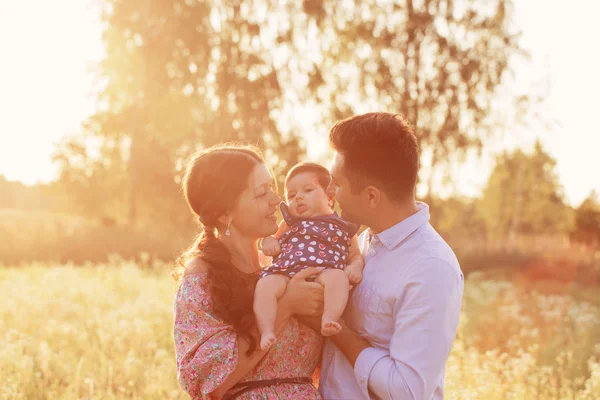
(213, 182)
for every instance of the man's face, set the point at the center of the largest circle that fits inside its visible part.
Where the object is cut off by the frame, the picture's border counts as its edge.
(351, 204)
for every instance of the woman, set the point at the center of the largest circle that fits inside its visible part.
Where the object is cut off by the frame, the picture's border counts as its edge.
(232, 192)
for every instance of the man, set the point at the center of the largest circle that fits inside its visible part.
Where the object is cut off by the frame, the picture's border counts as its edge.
(400, 321)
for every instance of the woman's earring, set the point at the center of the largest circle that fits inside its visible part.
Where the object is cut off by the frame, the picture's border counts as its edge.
(227, 233)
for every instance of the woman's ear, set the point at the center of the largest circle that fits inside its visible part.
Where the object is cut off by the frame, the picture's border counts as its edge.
(225, 220)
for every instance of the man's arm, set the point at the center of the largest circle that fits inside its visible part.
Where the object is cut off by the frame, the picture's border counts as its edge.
(349, 343)
(425, 324)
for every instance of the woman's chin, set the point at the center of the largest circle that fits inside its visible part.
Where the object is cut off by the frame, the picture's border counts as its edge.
(270, 229)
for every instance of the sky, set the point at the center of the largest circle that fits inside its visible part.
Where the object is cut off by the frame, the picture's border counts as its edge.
(47, 86)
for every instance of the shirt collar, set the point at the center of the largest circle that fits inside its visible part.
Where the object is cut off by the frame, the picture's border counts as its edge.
(394, 235)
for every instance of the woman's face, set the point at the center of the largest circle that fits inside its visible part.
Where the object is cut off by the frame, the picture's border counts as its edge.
(254, 215)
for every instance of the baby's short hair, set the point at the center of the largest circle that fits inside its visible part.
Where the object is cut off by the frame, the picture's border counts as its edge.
(323, 176)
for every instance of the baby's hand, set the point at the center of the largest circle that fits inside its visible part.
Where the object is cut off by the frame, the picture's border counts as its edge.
(354, 273)
(271, 246)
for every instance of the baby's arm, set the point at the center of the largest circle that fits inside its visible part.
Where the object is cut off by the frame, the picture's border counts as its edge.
(270, 245)
(355, 264)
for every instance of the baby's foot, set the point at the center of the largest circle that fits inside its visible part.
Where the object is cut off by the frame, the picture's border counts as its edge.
(266, 340)
(330, 327)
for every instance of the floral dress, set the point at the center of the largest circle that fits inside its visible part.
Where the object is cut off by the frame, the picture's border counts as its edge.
(207, 350)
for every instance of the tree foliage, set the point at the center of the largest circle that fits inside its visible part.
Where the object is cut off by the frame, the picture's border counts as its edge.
(523, 196)
(182, 74)
(587, 221)
(436, 62)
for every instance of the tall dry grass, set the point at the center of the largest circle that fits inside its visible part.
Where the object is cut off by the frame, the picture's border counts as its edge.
(98, 332)
(105, 332)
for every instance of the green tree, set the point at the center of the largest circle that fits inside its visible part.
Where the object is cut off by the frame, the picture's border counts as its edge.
(15, 194)
(179, 75)
(457, 218)
(436, 62)
(586, 229)
(523, 196)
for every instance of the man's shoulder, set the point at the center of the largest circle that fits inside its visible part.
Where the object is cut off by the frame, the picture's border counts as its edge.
(433, 250)
(435, 245)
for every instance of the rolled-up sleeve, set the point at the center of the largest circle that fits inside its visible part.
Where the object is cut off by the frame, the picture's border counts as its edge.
(205, 346)
(426, 319)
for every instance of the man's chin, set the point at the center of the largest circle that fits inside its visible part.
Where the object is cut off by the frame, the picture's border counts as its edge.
(348, 217)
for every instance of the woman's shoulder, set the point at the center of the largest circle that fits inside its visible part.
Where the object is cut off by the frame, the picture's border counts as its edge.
(196, 266)
(194, 284)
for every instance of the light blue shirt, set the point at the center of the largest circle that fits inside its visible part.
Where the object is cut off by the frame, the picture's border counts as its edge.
(407, 306)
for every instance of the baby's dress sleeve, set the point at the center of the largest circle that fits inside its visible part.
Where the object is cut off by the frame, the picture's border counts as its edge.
(206, 347)
(285, 213)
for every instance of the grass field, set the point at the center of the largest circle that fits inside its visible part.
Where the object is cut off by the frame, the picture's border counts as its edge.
(105, 332)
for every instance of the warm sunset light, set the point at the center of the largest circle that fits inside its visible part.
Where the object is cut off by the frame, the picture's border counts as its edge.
(471, 247)
(46, 81)
(51, 73)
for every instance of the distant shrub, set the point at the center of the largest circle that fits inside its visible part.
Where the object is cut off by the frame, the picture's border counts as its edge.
(27, 237)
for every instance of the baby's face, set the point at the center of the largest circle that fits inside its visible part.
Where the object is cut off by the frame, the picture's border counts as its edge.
(305, 197)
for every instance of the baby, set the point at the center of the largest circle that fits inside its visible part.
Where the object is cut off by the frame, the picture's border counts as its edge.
(310, 235)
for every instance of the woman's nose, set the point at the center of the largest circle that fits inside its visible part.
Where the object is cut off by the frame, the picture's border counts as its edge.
(275, 199)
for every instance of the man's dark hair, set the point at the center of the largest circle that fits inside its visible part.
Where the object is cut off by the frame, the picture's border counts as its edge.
(379, 149)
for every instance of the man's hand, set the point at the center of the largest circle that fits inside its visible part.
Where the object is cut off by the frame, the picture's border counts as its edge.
(302, 297)
(313, 323)
(271, 246)
(354, 272)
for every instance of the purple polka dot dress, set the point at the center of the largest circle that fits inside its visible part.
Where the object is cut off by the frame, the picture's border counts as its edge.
(322, 241)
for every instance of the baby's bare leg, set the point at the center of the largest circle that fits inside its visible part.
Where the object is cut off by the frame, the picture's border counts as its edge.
(335, 284)
(268, 290)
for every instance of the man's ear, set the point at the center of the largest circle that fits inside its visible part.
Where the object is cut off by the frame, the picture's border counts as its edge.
(373, 196)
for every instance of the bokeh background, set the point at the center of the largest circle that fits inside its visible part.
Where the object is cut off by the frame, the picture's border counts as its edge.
(102, 101)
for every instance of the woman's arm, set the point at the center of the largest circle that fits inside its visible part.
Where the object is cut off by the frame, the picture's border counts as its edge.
(300, 297)
(247, 362)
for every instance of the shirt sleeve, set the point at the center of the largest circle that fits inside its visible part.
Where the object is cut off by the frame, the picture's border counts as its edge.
(205, 346)
(426, 319)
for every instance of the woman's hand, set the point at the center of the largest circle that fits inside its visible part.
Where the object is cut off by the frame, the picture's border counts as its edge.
(302, 297)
